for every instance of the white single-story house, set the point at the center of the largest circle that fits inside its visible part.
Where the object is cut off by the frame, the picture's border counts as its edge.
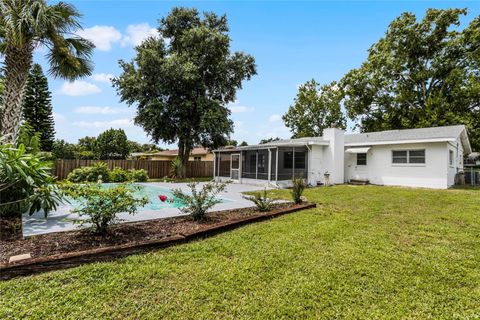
(426, 157)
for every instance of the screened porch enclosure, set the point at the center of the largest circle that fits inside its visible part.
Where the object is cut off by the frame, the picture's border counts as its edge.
(268, 164)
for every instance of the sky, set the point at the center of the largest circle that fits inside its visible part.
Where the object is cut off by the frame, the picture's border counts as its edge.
(292, 42)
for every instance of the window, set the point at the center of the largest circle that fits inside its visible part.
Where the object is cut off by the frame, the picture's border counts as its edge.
(399, 157)
(450, 157)
(253, 162)
(300, 160)
(408, 156)
(288, 160)
(197, 158)
(361, 159)
(261, 162)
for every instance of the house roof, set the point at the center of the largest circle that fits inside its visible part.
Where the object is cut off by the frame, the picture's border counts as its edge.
(421, 134)
(434, 134)
(173, 153)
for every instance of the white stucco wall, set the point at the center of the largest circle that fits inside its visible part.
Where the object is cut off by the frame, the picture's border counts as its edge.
(316, 165)
(380, 169)
(333, 155)
(457, 165)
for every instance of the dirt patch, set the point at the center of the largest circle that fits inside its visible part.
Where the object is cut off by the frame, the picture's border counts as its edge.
(80, 240)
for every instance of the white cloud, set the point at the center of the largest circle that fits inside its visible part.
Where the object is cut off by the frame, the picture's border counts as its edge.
(118, 123)
(58, 117)
(237, 108)
(136, 33)
(102, 36)
(274, 118)
(238, 124)
(103, 77)
(100, 110)
(79, 88)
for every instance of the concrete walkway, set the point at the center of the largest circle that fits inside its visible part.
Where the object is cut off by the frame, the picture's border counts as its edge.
(62, 219)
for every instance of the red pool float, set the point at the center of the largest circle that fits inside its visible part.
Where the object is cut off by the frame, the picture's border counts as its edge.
(162, 197)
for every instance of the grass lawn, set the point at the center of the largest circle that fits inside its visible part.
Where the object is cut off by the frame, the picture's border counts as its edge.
(364, 252)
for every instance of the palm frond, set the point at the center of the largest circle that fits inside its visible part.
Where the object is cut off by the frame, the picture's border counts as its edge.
(70, 58)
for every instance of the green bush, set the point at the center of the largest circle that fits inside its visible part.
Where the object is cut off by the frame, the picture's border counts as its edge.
(137, 175)
(26, 184)
(261, 200)
(99, 171)
(299, 186)
(198, 202)
(119, 175)
(100, 206)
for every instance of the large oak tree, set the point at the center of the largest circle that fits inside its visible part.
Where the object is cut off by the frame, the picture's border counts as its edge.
(182, 81)
(420, 74)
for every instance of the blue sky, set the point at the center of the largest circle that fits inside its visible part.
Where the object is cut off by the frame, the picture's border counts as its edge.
(292, 42)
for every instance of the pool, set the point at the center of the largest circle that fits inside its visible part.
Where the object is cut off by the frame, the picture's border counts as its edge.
(152, 192)
(63, 219)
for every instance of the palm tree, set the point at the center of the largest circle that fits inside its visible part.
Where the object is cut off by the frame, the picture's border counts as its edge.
(25, 25)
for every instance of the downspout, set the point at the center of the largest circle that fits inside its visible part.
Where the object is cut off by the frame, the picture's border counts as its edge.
(309, 161)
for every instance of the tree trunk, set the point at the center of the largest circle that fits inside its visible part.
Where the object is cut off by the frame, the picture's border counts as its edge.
(17, 66)
(11, 228)
(183, 153)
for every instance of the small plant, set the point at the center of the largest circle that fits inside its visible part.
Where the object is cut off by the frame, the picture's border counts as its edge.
(137, 175)
(261, 200)
(119, 175)
(101, 205)
(198, 202)
(99, 171)
(299, 186)
(176, 168)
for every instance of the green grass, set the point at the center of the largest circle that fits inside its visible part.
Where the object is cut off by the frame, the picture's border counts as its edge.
(365, 252)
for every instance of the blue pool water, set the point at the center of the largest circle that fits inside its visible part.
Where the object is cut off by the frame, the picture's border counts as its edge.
(152, 192)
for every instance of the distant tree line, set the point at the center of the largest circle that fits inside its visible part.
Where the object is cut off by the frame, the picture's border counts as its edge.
(111, 144)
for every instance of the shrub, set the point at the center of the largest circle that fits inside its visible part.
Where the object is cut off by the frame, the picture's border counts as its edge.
(261, 200)
(299, 186)
(119, 175)
(198, 202)
(99, 171)
(137, 175)
(176, 168)
(100, 206)
(26, 184)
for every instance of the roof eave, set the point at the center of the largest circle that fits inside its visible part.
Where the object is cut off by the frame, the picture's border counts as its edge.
(372, 143)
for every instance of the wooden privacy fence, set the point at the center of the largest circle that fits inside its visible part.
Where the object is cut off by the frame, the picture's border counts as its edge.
(155, 168)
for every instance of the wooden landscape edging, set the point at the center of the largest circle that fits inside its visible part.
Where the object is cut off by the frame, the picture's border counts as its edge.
(73, 259)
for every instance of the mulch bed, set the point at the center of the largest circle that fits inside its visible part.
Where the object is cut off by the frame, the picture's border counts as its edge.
(71, 248)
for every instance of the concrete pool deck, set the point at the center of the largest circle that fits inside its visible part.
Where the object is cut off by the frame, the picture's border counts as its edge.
(62, 219)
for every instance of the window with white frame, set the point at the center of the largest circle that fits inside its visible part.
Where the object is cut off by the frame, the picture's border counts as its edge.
(408, 156)
(450, 157)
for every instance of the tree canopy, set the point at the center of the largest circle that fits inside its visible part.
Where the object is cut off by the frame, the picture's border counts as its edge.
(37, 107)
(112, 144)
(315, 108)
(420, 74)
(181, 86)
